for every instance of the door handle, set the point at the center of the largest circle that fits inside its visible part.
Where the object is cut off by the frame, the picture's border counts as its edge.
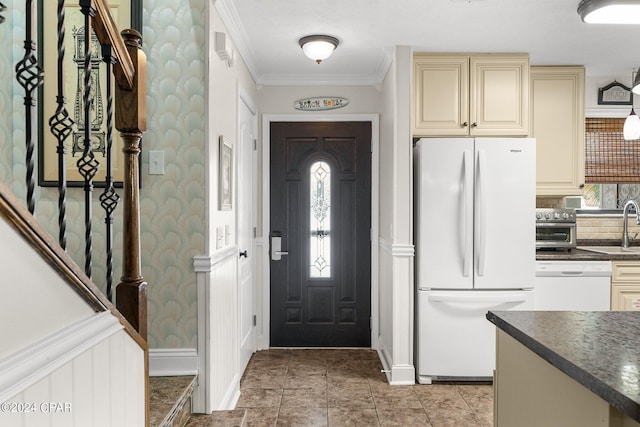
(244, 254)
(276, 248)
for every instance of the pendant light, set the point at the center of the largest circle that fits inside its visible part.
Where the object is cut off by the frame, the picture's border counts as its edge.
(631, 128)
(318, 47)
(610, 11)
(635, 86)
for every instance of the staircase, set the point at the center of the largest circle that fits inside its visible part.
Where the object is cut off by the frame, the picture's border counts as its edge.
(170, 400)
(111, 359)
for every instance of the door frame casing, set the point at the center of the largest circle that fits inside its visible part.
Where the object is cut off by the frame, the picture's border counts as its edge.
(264, 321)
(244, 98)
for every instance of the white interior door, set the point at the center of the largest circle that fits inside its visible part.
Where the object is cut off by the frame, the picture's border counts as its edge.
(247, 126)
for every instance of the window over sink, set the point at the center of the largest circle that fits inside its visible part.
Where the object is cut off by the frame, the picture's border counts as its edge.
(612, 165)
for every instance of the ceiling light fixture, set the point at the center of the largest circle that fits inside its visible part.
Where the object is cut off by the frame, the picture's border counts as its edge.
(631, 128)
(318, 47)
(610, 11)
(635, 86)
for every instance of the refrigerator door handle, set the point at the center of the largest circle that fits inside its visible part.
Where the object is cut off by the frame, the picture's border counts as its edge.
(467, 185)
(481, 219)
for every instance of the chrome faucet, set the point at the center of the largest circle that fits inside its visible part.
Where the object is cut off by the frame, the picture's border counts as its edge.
(625, 216)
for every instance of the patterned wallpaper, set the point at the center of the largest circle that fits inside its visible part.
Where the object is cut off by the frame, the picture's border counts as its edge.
(6, 89)
(173, 204)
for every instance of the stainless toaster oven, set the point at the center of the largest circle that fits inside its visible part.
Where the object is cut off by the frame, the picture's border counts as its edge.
(555, 228)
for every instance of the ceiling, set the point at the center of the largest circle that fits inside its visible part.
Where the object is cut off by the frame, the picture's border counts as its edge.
(266, 34)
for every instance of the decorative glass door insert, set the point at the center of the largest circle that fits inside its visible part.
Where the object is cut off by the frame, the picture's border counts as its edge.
(320, 220)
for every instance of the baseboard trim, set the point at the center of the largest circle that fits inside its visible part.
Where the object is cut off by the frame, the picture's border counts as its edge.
(396, 374)
(35, 362)
(230, 399)
(403, 375)
(385, 358)
(173, 362)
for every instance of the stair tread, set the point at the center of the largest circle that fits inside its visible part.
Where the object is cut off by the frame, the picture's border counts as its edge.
(168, 396)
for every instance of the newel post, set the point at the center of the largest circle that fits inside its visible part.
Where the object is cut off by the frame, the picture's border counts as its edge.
(130, 117)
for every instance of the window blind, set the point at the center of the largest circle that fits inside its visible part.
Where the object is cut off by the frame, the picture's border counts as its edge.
(608, 157)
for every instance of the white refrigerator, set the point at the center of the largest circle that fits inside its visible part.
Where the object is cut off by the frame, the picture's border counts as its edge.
(475, 249)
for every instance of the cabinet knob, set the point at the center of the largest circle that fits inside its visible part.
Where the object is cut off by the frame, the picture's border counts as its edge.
(465, 124)
(474, 125)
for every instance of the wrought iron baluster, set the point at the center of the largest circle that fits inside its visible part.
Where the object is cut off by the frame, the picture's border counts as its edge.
(109, 198)
(30, 76)
(61, 126)
(87, 164)
(2, 9)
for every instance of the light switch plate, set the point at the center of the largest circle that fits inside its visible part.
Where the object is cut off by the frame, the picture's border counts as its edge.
(156, 162)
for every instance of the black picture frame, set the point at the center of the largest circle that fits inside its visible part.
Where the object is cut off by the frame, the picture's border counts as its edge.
(47, 143)
(614, 93)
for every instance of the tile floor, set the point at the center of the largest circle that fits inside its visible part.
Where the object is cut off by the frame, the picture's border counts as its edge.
(345, 388)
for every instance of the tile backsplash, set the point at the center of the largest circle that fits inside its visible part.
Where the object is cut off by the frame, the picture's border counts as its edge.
(594, 227)
(605, 228)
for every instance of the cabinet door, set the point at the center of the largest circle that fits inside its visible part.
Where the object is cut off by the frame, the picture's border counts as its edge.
(625, 286)
(499, 95)
(625, 298)
(625, 273)
(441, 95)
(557, 122)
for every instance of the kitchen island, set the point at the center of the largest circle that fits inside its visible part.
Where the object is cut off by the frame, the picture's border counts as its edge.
(556, 368)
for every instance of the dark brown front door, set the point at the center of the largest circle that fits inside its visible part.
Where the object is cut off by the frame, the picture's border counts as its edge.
(321, 208)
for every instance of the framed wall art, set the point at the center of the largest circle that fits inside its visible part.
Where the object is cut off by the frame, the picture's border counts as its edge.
(614, 94)
(225, 174)
(122, 12)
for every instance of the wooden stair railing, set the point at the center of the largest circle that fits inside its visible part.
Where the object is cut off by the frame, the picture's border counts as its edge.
(124, 52)
(15, 214)
(124, 55)
(130, 117)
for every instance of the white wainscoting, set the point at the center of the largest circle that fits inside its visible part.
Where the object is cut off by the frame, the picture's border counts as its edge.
(88, 374)
(42, 300)
(218, 377)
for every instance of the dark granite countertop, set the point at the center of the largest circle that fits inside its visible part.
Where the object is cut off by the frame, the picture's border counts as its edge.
(578, 254)
(600, 350)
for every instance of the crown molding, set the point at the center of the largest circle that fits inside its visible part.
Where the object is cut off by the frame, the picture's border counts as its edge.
(231, 21)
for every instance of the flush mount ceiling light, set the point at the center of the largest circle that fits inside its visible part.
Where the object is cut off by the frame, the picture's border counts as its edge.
(318, 47)
(610, 11)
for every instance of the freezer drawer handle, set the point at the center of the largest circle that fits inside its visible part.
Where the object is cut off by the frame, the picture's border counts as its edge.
(505, 298)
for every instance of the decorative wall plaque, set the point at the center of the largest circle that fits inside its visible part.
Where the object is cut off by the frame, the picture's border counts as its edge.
(320, 103)
(614, 94)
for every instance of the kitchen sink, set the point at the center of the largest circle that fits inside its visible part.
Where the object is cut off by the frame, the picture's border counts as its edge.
(611, 250)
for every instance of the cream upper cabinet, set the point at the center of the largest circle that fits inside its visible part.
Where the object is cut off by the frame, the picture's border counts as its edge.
(557, 123)
(477, 95)
(625, 286)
